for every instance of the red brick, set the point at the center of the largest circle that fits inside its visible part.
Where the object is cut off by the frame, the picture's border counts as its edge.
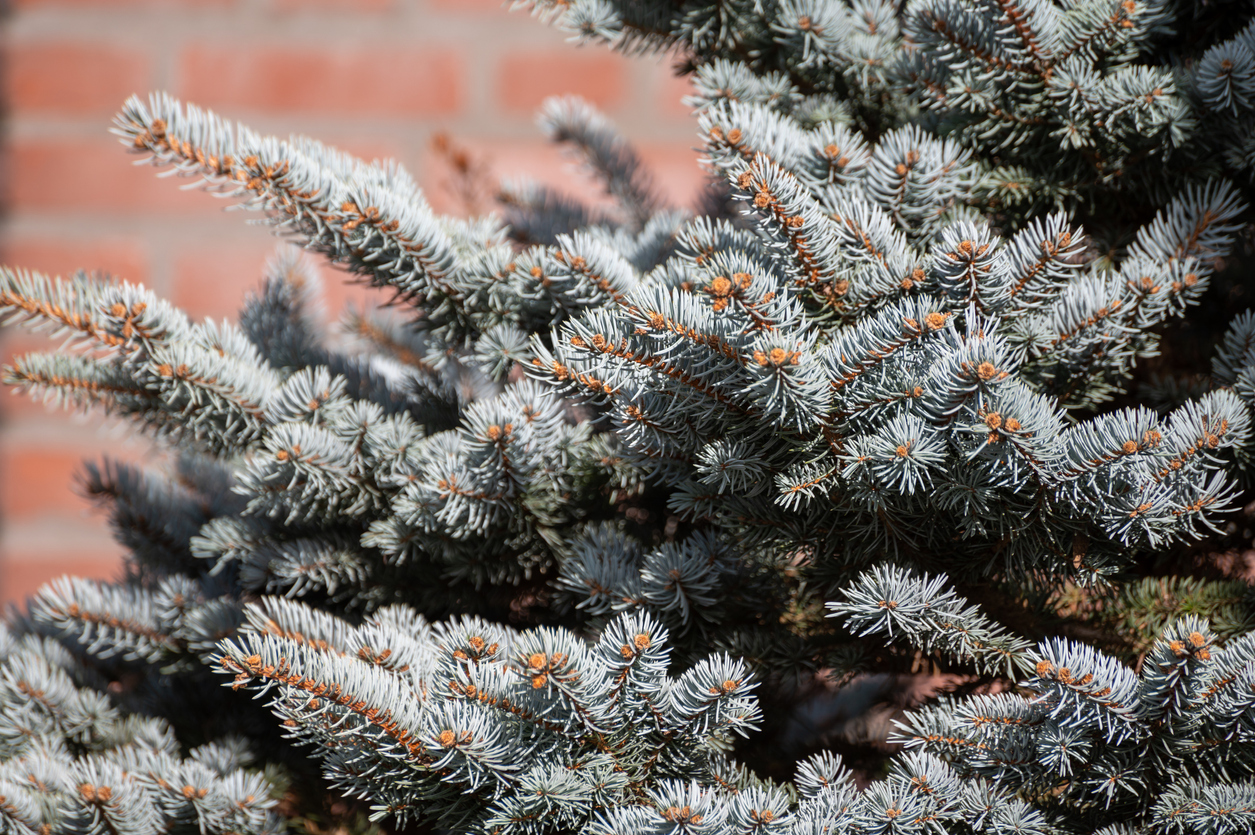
(68, 77)
(474, 6)
(100, 175)
(340, 289)
(92, 554)
(674, 166)
(15, 406)
(438, 178)
(120, 4)
(356, 6)
(38, 480)
(91, 176)
(125, 258)
(334, 79)
(525, 79)
(669, 97)
(213, 281)
(530, 159)
(676, 171)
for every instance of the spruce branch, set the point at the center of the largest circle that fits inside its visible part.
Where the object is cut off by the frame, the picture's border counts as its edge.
(572, 121)
(368, 217)
(929, 617)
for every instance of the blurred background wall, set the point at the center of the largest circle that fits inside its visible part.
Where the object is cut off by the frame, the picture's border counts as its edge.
(379, 78)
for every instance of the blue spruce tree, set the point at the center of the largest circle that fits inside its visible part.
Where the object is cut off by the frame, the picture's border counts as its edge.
(570, 539)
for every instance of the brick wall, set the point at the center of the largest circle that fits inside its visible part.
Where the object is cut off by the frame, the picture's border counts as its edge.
(379, 78)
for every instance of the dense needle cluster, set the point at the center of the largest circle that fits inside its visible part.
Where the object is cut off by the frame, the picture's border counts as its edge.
(532, 551)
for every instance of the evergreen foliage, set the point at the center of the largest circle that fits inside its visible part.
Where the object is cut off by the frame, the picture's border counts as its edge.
(567, 540)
